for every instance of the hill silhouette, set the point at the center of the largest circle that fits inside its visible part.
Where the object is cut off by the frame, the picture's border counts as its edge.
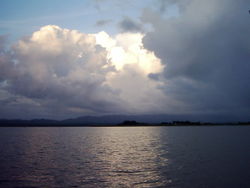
(118, 120)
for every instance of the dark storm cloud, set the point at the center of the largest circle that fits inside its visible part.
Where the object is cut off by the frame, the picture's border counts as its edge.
(206, 51)
(129, 25)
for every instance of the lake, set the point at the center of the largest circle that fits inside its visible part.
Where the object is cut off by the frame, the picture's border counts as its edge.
(175, 157)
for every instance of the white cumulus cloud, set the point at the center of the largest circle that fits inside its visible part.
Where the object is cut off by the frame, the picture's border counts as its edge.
(70, 73)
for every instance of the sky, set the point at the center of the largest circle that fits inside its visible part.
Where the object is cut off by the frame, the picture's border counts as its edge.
(63, 59)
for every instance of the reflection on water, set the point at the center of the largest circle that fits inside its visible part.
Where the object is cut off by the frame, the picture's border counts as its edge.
(125, 157)
(130, 158)
(56, 157)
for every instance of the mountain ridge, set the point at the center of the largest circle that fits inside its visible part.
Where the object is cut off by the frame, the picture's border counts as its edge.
(118, 119)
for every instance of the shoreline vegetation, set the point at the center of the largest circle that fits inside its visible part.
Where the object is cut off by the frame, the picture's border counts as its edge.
(126, 123)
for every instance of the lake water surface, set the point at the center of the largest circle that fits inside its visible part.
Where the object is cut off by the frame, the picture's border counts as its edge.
(175, 157)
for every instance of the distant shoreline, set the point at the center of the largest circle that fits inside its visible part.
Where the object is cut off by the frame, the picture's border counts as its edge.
(121, 123)
(143, 125)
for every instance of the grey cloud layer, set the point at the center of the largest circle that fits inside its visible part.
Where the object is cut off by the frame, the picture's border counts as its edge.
(206, 51)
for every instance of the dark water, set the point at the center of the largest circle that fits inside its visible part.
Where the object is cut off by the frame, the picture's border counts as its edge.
(125, 157)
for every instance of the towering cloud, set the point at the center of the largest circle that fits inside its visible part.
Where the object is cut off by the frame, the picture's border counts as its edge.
(71, 73)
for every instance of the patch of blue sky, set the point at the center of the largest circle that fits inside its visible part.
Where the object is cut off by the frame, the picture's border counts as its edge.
(21, 18)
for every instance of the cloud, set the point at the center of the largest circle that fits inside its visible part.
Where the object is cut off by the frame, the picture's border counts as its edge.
(164, 4)
(196, 62)
(100, 23)
(129, 25)
(133, 64)
(205, 51)
(68, 73)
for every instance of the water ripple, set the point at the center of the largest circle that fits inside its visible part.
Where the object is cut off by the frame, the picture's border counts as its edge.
(123, 157)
